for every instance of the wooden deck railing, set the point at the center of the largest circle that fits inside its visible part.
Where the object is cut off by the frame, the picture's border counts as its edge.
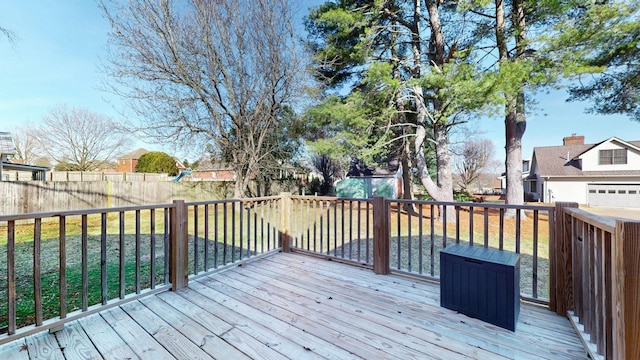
(411, 234)
(64, 265)
(336, 228)
(598, 281)
(61, 266)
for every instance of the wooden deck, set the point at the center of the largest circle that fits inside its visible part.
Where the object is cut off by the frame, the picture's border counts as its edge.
(291, 306)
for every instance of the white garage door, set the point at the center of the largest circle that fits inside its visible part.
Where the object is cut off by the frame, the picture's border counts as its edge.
(615, 195)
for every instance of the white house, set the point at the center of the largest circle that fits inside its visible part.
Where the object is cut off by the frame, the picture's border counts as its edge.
(603, 174)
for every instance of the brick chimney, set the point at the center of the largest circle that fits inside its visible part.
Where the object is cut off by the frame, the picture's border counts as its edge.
(573, 140)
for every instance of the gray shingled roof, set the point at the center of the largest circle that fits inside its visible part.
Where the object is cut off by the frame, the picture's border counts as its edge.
(136, 154)
(6, 144)
(552, 161)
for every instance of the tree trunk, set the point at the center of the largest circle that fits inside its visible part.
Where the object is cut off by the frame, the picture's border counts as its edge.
(515, 121)
(514, 130)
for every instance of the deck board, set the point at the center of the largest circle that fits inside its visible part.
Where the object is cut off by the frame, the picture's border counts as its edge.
(292, 306)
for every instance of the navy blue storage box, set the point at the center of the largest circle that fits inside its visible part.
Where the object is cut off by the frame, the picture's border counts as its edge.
(481, 283)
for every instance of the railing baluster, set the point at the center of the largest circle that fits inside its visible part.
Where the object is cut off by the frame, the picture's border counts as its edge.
(255, 229)
(420, 264)
(122, 254)
(535, 254)
(486, 227)
(342, 235)
(249, 251)
(328, 227)
(224, 233)
(432, 240)
(195, 239)
(62, 238)
(367, 231)
(152, 249)
(308, 225)
(501, 230)
(518, 233)
(215, 236)
(457, 224)
(409, 225)
(315, 221)
(241, 227)
(166, 245)
(471, 225)
(444, 229)
(262, 227)
(321, 226)
(399, 237)
(206, 237)
(335, 228)
(137, 253)
(350, 229)
(37, 280)
(85, 270)
(359, 235)
(11, 277)
(233, 231)
(104, 296)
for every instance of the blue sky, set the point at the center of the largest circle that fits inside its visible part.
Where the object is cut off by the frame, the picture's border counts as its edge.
(60, 45)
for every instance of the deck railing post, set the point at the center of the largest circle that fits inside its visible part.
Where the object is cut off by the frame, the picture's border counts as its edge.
(285, 221)
(178, 245)
(381, 236)
(560, 262)
(626, 287)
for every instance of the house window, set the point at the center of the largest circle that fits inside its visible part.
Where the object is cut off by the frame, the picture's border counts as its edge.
(613, 156)
(533, 186)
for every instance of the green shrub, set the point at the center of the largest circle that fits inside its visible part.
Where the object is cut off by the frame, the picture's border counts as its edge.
(157, 162)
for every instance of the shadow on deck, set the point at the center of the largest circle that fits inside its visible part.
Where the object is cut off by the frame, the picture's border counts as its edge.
(299, 307)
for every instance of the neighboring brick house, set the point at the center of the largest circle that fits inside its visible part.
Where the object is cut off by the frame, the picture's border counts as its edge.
(208, 170)
(602, 174)
(127, 163)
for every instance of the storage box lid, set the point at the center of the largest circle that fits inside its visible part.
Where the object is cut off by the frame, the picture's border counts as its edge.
(483, 254)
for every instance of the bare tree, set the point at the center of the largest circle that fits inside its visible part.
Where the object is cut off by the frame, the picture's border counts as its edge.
(80, 139)
(329, 168)
(26, 144)
(208, 71)
(475, 157)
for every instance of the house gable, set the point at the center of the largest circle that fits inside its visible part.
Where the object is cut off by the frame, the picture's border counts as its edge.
(611, 155)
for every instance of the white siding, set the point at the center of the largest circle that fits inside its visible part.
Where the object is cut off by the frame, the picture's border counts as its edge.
(565, 190)
(590, 159)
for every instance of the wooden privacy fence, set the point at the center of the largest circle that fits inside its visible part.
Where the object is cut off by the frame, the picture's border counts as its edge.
(597, 280)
